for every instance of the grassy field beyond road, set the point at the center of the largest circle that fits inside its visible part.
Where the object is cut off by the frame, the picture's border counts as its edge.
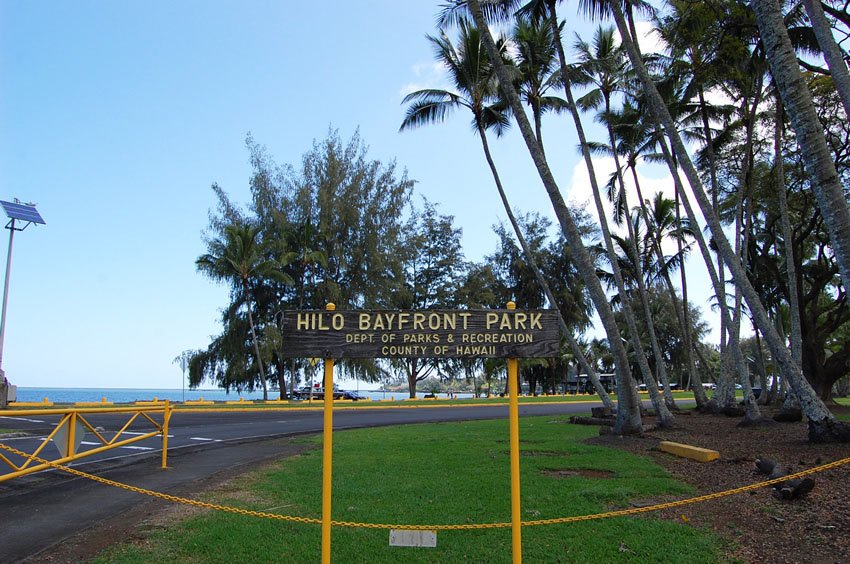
(451, 473)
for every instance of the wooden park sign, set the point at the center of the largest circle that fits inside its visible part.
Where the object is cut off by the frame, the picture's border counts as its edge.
(488, 333)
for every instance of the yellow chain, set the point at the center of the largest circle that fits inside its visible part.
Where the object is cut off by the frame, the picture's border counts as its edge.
(466, 527)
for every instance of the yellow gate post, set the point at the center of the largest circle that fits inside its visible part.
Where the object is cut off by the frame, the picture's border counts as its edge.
(72, 431)
(516, 515)
(327, 454)
(165, 418)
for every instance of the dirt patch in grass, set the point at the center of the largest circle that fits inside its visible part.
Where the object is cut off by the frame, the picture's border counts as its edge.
(533, 453)
(584, 473)
(760, 526)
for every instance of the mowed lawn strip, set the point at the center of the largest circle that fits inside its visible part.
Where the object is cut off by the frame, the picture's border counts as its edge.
(448, 473)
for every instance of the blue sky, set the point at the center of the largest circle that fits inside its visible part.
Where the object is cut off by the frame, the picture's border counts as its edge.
(116, 117)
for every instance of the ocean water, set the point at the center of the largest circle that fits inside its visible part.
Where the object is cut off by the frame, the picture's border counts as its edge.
(126, 395)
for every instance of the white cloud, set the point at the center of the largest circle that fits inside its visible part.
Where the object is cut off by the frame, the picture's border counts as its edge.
(425, 76)
(648, 40)
(580, 193)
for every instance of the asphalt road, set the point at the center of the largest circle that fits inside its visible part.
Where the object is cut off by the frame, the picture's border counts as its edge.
(41, 510)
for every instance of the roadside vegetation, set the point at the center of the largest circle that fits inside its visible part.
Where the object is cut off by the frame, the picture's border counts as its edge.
(433, 402)
(452, 473)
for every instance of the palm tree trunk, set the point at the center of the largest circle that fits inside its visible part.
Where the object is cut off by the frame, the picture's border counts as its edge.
(628, 412)
(822, 424)
(256, 344)
(664, 415)
(412, 374)
(743, 231)
(565, 331)
(763, 396)
(695, 381)
(831, 52)
(720, 290)
(743, 237)
(724, 394)
(660, 368)
(695, 376)
(815, 153)
(790, 402)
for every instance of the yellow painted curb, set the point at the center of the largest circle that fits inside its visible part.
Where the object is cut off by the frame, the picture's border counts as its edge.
(199, 402)
(688, 451)
(92, 403)
(45, 403)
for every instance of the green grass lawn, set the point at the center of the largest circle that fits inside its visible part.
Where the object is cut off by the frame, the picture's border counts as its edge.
(449, 473)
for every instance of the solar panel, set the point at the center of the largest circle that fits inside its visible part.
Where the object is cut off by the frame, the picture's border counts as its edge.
(24, 212)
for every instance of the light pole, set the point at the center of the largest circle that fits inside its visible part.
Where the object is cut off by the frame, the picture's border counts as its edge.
(183, 359)
(26, 214)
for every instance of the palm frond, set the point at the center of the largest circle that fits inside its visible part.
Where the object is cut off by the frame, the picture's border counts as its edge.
(428, 107)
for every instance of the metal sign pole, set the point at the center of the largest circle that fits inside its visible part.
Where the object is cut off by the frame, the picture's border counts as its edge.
(6, 295)
(516, 515)
(28, 215)
(327, 455)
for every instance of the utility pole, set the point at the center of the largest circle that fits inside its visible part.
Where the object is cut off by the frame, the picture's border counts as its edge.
(27, 215)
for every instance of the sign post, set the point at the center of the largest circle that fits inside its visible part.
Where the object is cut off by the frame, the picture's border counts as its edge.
(327, 456)
(513, 414)
(493, 333)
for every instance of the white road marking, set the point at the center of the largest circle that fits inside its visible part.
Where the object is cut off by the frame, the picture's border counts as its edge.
(25, 419)
(204, 439)
(137, 448)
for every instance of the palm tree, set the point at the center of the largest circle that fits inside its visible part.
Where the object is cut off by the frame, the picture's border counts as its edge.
(306, 259)
(628, 414)
(636, 140)
(238, 258)
(473, 75)
(700, 47)
(603, 66)
(536, 62)
(822, 424)
(798, 104)
(791, 403)
(831, 52)
(663, 222)
(708, 46)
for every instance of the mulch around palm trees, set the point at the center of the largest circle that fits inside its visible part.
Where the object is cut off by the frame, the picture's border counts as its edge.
(759, 525)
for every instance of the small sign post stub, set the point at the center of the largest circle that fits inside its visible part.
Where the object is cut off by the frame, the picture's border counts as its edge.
(404, 537)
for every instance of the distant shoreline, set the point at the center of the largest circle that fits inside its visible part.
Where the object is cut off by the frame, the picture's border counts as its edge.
(129, 395)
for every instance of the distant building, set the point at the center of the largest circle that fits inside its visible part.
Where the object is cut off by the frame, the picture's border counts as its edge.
(581, 384)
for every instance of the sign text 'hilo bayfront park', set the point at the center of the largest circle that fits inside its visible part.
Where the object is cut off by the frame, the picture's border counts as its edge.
(489, 333)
